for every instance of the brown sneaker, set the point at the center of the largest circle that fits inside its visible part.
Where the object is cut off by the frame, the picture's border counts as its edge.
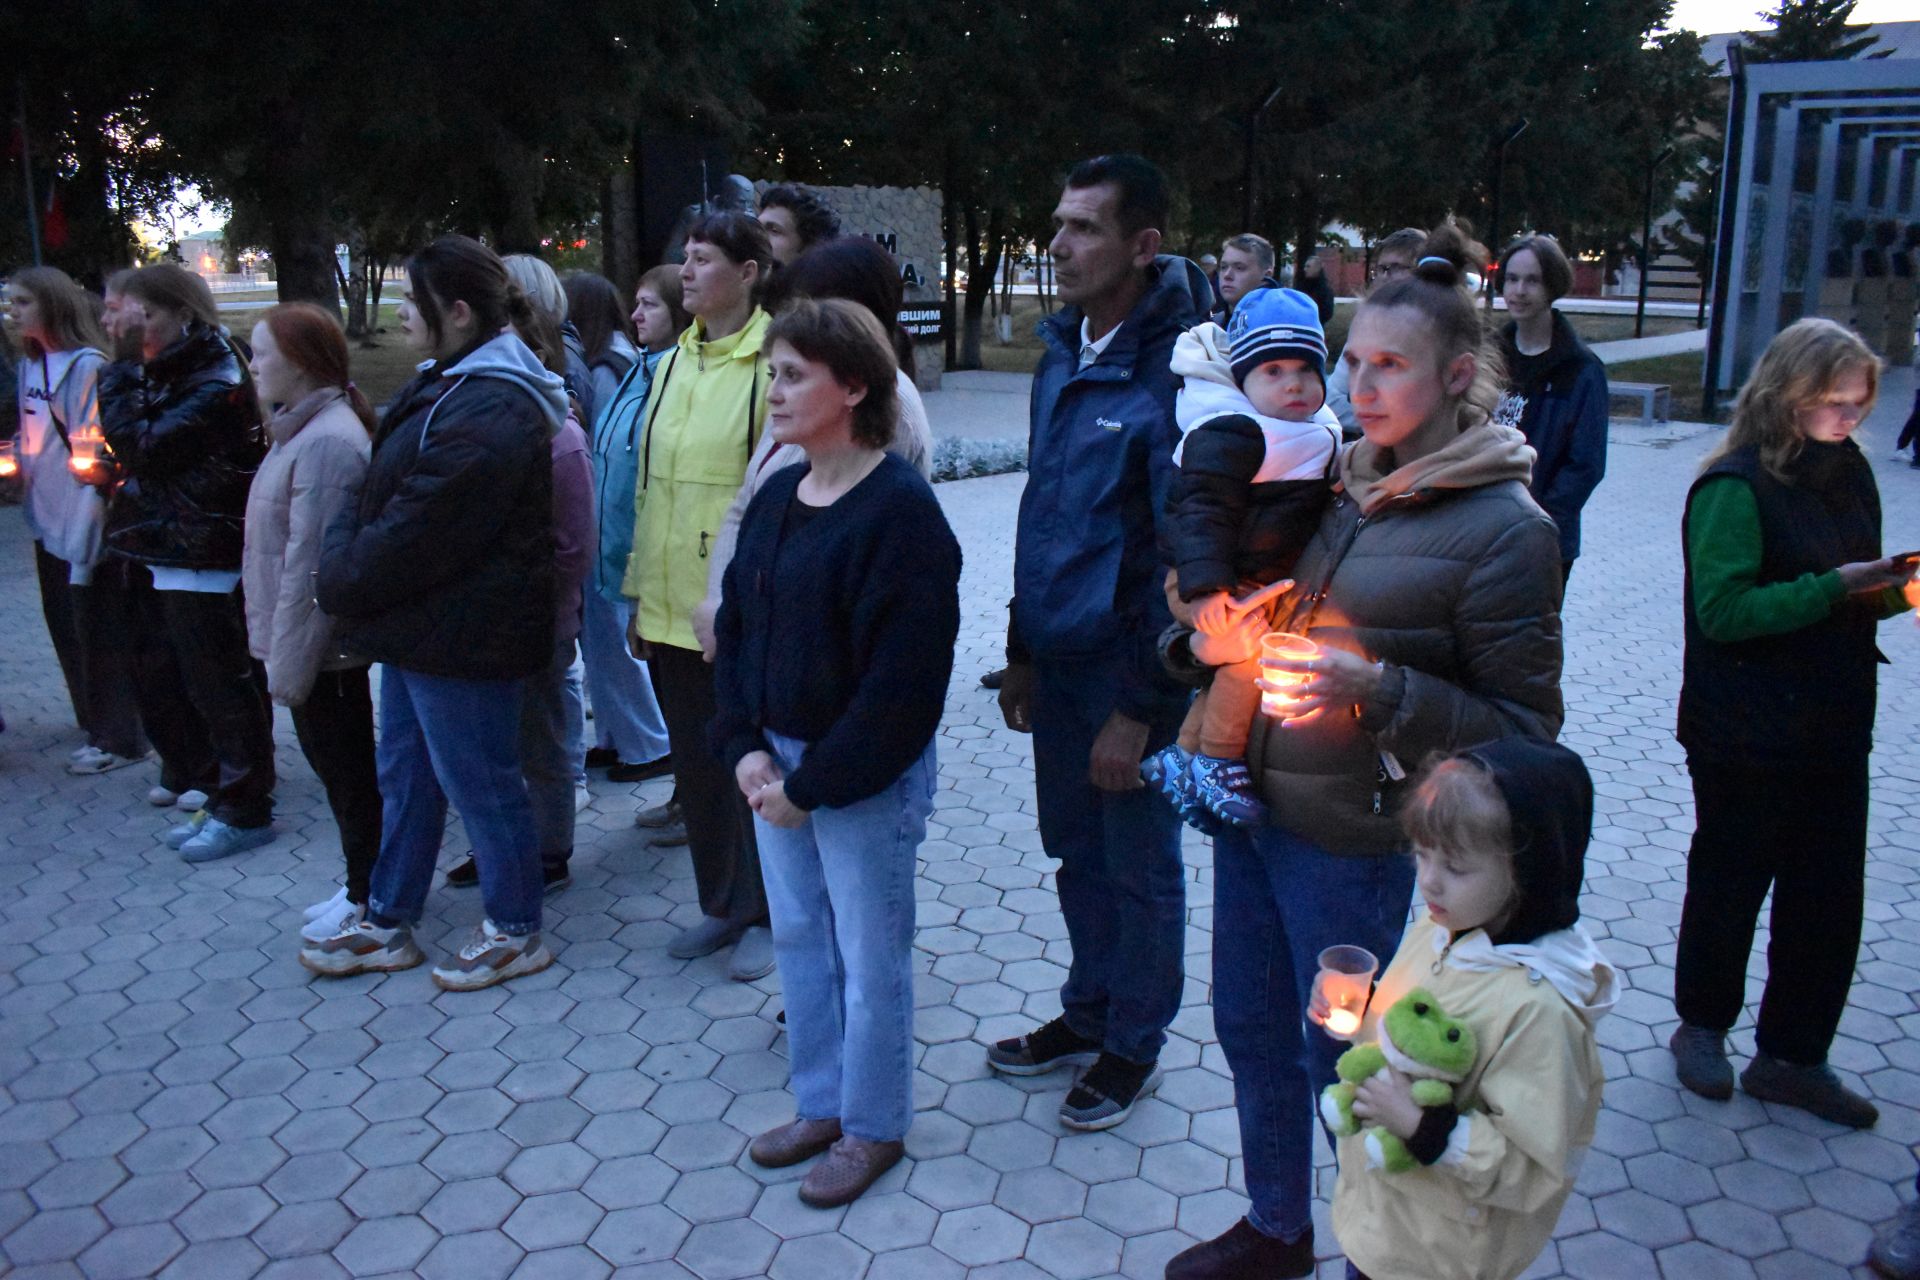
(794, 1142)
(491, 956)
(850, 1166)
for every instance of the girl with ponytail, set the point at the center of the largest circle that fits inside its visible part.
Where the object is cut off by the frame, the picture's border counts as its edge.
(443, 572)
(1432, 589)
(319, 429)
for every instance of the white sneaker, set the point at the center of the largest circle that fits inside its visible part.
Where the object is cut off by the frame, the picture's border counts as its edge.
(161, 798)
(84, 748)
(81, 760)
(191, 801)
(581, 799)
(328, 923)
(326, 906)
(99, 762)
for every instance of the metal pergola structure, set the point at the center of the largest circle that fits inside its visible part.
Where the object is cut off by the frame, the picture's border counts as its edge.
(1811, 146)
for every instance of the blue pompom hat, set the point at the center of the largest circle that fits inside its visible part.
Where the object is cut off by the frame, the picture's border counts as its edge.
(1276, 324)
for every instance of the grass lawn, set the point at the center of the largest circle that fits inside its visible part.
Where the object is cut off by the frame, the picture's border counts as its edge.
(1681, 372)
(379, 368)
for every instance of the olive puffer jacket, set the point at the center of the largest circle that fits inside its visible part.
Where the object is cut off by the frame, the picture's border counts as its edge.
(1448, 573)
(185, 433)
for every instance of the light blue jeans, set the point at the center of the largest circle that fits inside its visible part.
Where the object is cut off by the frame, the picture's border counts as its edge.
(625, 715)
(840, 892)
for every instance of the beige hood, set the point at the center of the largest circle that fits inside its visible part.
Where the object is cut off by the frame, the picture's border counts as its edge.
(1478, 456)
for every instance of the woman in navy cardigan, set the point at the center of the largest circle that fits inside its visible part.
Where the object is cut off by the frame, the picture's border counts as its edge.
(835, 643)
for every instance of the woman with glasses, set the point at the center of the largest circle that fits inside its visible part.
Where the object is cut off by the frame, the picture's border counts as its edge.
(1785, 587)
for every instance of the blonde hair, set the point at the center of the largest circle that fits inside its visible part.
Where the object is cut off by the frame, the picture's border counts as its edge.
(1456, 807)
(1802, 364)
(538, 281)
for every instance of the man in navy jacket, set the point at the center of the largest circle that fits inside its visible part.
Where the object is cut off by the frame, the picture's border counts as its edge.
(1089, 604)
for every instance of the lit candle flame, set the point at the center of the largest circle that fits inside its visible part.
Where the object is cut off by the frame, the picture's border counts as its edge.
(1343, 1022)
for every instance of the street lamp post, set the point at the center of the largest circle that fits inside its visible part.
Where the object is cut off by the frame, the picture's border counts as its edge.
(1646, 241)
(1248, 185)
(1499, 185)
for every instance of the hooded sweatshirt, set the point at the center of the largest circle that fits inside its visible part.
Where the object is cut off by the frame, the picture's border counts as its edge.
(1446, 573)
(1524, 1116)
(59, 399)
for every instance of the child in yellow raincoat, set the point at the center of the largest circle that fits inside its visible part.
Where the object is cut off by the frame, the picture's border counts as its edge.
(1499, 834)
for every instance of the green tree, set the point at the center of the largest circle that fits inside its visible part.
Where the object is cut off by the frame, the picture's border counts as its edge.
(1809, 31)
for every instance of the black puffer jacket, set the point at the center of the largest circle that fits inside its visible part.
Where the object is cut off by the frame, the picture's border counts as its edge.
(1227, 530)
(185, 432)
(1454, 584)
(445, 567)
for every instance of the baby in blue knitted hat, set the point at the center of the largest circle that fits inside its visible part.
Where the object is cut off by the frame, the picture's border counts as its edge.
(1256, 459)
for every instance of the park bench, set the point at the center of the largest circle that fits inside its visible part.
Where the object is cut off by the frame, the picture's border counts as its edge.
(1656, 399)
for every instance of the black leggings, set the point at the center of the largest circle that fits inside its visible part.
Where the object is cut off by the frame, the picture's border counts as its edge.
(335, 727)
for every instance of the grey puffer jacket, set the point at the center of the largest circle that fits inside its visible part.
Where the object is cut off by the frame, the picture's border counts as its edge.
(1446, 571)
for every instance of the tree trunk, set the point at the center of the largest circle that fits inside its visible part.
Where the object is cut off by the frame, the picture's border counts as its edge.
(620, 228)
(302, 244)
(376, 276)
(983, 261)
(516, 220)
(354, 284)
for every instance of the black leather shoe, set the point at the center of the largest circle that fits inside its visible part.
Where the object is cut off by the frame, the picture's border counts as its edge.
(642, 771)
(1244, 1252)
(993, 679)
(602, 757)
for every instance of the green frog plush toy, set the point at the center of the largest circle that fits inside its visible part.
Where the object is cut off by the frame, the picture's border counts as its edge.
(1421, 1041)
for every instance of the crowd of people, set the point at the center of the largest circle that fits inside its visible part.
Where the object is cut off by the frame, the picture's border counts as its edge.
(718, 500)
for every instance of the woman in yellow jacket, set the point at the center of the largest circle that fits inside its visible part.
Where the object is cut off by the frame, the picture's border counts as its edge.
(1499, 835)
(703, 417)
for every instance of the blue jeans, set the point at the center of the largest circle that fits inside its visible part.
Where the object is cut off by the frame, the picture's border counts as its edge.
(625, 715)
(840, 894)
(443, 738)
(1278, 902)
(1121, 884)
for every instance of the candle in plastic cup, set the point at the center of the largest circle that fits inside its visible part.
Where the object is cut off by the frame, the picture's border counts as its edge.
(1280, 704)
(84, 451)
(9, 465)
(1346, 980)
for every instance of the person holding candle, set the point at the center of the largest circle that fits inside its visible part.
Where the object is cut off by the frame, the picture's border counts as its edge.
(1255, 455)
(320, 429)
(834, 647)
(1499, 836)
(182, 424)
(1785, 586)
(83, 600)
(1431, 590)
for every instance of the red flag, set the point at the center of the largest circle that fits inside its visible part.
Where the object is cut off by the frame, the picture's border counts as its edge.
(53, 231)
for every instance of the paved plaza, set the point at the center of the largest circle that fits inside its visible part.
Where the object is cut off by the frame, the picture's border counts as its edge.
(178, 1097)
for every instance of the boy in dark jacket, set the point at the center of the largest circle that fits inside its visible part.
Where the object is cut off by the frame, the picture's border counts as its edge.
(1256, 451)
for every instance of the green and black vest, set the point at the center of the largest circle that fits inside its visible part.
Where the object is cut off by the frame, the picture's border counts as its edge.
(1805, 698)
